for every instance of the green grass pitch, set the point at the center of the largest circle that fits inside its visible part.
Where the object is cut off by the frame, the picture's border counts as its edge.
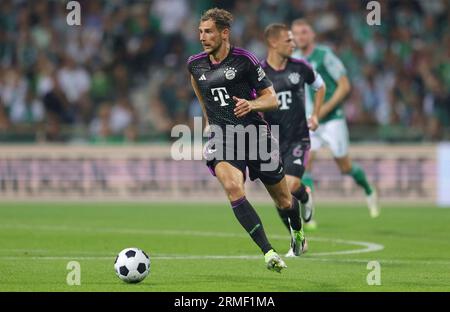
(201, 247)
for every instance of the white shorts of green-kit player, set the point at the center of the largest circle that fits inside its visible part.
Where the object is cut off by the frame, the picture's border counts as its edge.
(332, 134)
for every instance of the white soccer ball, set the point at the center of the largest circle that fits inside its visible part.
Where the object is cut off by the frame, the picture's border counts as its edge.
(132, 265)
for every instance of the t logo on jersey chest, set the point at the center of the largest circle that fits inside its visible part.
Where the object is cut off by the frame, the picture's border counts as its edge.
(220, 95)
(284, 98)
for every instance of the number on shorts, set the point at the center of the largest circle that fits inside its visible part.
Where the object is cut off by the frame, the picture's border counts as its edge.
(297, 151)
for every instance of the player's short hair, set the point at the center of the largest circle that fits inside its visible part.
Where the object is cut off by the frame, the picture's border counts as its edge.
(222, 18)
(302, 21)
(273, 30)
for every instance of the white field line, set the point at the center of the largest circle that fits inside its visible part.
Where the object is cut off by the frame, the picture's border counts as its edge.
(310, 256)
(366, 246)
(231, 257)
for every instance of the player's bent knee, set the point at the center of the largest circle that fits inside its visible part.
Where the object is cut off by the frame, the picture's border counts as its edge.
(294, 185)
(345, 170)
(234, 190)
(284, 202)
(345, 165)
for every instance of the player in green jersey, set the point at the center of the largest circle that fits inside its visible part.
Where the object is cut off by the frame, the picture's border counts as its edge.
(332, 131)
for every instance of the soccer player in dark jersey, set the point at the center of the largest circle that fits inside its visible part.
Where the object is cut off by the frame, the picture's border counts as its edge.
(289, 76)
(232, 89)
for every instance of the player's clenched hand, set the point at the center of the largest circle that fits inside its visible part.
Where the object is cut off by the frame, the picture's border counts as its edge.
(313, 123)
(243, 107)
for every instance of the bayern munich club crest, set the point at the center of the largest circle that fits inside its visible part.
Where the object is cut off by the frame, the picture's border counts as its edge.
(230, 73)
(294, 78)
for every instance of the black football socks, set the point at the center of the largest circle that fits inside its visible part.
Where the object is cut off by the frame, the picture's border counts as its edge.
(251, 222)
(294, 215)
(284, 217)
(301, 194)
(291, 216)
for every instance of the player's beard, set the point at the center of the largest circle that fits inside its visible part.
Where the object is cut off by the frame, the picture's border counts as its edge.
(216, 49)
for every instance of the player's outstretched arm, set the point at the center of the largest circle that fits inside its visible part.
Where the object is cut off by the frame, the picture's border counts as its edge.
(266, 101)
(200, 99)
(342, 90)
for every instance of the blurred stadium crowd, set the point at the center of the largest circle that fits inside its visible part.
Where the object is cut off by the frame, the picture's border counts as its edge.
(121, 75)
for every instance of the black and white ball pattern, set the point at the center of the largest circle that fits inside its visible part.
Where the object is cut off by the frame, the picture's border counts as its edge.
(132, 265)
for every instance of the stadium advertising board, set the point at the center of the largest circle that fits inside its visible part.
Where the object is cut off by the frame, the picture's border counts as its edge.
(148, 173)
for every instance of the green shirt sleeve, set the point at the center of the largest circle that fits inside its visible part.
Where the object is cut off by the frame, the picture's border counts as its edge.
(334, 66)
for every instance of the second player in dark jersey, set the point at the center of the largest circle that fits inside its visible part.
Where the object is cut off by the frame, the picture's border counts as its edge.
(289, 77)
(290, 116)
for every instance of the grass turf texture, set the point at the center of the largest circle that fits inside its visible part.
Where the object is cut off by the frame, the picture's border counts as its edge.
(38, 240)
